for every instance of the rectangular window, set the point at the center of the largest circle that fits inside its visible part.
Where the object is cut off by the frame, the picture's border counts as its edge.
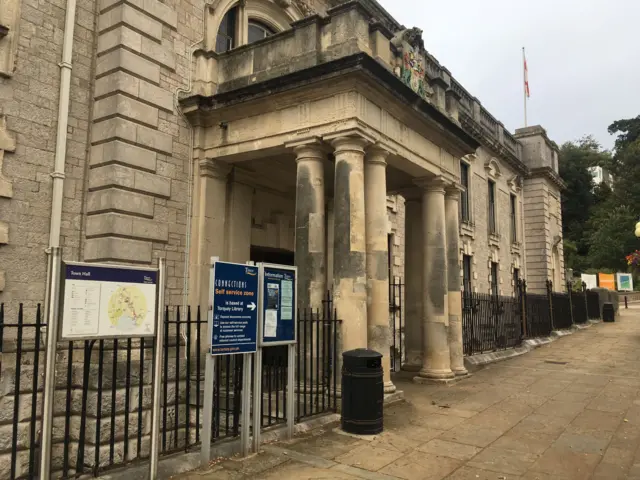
(465, 214)
(492, 207)
(390, 255)
(514, 219)
(516, 279)
(466, 273)
(494, 278)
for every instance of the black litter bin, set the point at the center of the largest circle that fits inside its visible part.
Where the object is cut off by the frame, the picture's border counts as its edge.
(362, 392)
(608, 312)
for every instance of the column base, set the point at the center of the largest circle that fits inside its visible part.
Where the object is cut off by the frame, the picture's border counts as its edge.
(437, 381)
(411, 368)
(460, 372)
(443, 374)
(389, 387)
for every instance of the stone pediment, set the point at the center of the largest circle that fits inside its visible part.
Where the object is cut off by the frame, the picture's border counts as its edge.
(493, 168)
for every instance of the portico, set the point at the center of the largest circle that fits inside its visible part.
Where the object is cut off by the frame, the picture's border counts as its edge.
(326, 154)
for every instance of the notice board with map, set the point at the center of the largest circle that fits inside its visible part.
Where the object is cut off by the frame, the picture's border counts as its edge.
(107, 301)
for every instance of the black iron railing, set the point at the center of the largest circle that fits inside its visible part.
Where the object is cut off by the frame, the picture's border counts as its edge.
(579, 306)
(396, 312)
(538, 315)
(490, 322)
(317, 360)
(104, 390)
(562, 311)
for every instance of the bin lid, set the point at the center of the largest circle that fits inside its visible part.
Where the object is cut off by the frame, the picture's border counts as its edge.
(361, 353)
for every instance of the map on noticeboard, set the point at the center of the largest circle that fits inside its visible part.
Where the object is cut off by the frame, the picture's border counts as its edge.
(108, 302)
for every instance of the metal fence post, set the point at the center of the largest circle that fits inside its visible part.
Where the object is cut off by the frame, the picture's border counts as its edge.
(570, 292)
(157, 375)
(550, 297)
(209, 377)
(50, 363)
(522, 292)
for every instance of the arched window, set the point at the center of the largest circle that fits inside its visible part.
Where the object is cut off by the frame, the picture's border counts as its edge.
(258, 31)
(225, 40)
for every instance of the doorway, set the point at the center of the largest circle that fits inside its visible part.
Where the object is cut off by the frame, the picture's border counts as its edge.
(272, 255)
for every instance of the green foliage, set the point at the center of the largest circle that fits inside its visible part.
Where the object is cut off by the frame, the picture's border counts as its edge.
(611, 236)
(580, 198)
(598, 221)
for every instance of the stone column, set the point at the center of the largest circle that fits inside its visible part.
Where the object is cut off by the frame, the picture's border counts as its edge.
(452, 200)
(413, 291)
(436, 363)
(349, 251)
(310, 256)
(208, 227)
(375, 197)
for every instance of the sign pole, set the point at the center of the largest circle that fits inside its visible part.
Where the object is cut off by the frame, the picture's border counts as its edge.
(209, 379)
(246, 403)
(157, 374)
(257, 400)
(290, 390)
(50, 362)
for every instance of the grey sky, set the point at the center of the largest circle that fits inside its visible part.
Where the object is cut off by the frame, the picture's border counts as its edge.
(583, 57)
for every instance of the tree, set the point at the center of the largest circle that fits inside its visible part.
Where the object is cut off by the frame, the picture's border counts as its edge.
(611, 236)
(580, 197)
(625, 164)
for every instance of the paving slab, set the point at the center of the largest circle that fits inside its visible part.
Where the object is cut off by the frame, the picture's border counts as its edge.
(569, 410)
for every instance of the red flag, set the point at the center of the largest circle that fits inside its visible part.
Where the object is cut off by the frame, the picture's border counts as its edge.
(526, 78)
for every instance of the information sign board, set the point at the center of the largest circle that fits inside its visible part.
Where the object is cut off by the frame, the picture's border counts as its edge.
(235, 309)
(107, 301)
(278, 305)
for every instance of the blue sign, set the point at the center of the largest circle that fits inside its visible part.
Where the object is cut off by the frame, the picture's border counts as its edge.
(235, 309)
(278, 306)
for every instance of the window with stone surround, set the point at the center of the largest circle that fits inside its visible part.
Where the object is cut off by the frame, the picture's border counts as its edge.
(514, 218)
(492, 207)
(494, 278)
(465, 208)
(466, 273)
(516, 279)
(230, 29)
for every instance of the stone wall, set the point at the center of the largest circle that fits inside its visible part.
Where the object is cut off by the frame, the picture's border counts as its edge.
(476, 241)
(29, 91)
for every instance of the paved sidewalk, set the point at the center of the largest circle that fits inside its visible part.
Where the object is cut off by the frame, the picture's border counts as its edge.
(569, 410)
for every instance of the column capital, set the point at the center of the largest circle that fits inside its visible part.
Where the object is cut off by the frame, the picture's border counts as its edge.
(453, 190)
(432, 184)
(377, 154)
(309, 149)
(349, 144)
(210, 167)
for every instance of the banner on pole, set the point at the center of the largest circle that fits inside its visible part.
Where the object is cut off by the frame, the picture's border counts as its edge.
(625, 282)
(607, 280)
(591, 280)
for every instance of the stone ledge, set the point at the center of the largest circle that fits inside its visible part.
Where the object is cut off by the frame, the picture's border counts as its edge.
(437, 381)
(562, 333)
(493, 357)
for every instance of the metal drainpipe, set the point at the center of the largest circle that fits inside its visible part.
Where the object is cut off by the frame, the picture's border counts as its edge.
(54, 232)
(63, 121)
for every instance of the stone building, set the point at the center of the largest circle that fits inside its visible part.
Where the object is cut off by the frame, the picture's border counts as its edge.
(251, 130)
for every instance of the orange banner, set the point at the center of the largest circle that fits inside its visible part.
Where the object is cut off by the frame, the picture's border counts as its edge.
(607, 280)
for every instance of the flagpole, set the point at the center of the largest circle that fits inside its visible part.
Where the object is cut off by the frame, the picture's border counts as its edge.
(524, 84)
